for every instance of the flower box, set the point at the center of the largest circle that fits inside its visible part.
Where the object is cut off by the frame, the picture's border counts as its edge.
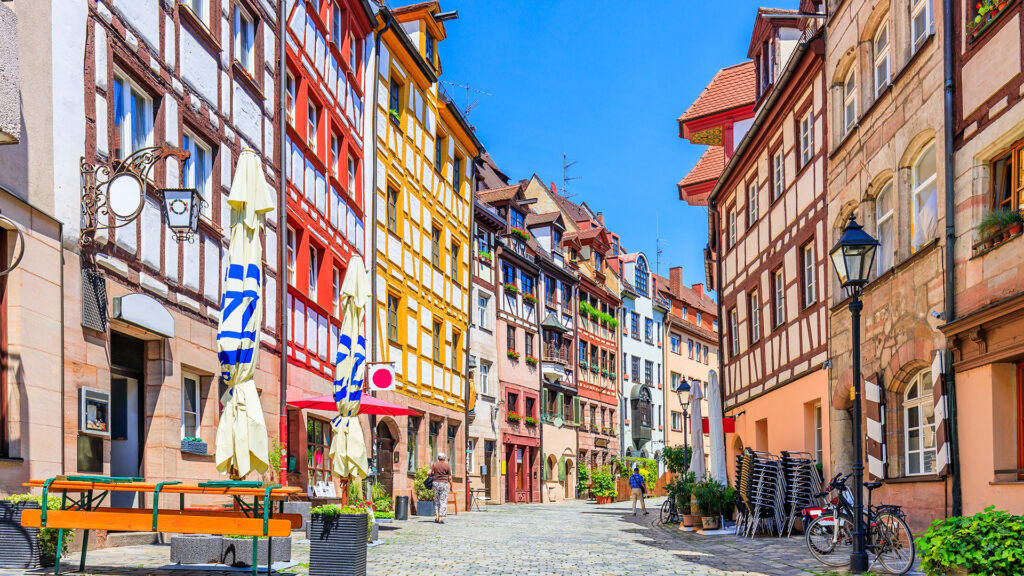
(530, 421)
(583, 365)
(987, 12)
(529, 298)
(511, 288)
(513, 417)
(604, 373)
(337, 544)
(595, 368)
(531, 360)
(485, 255)
(611, 375)
(512, 355)
(192, 445)
(520, 233)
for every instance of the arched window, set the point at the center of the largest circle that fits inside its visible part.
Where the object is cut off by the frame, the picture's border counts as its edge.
(924, 208)
(881, 51)
(642, 276)
(919, 425)
(850, 99)
(884, 229)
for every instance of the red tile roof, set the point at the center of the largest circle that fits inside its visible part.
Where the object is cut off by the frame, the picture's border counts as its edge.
(731, 87)
(538, 219)
(707, 169)
(498, 194)
(571, 209)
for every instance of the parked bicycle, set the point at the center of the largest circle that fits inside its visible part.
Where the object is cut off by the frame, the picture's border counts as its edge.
(669, 515)
(830, 536)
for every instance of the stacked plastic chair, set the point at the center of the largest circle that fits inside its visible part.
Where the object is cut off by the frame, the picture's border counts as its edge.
(802, 483)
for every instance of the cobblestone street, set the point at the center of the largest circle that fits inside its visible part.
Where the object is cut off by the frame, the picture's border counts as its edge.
(565, 539)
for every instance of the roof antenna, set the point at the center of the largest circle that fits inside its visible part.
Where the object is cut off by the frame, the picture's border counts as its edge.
(469, 105)
(565, 176)
(657, 245)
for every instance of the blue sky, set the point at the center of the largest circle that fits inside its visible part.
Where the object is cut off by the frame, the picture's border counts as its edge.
(604, 83)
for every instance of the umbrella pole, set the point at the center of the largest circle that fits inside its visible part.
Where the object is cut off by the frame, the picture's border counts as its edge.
(344, 492)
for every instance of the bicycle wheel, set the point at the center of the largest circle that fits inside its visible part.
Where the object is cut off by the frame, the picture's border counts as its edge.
(830, 539)
(667, 512)
(892, 542)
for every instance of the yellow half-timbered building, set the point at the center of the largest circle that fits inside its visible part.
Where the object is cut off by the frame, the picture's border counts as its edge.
(424, 152)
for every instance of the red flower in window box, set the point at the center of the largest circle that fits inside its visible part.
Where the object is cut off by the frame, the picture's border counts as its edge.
(511, 289)
(520, 233)
(531, 360)
(529, 298)
(512, 354)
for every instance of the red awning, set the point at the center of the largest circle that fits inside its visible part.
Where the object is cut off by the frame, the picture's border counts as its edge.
(367, 405)
(728, 425)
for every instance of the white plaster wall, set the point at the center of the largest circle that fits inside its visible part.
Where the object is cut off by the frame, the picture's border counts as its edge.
(142, 15)
(198, 67)
(68, 77)
(247, 115)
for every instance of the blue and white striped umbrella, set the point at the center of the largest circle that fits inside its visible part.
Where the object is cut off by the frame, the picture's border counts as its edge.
(348, 450)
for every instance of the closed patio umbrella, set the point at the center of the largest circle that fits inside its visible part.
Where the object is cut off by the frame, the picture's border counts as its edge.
(242, 432)
(348, 450)
(697, 432)
(715, 415)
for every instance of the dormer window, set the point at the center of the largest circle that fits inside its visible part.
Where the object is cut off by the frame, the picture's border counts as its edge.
(556, 235)
(429, 48)
(641, 276)
(765, 74)
(516, 219)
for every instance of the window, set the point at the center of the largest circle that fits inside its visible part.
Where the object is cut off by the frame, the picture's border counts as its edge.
(634, 325)
(734, 332)
(436, 343)
(336, 27)
(732, 227)
(516, 219)
(352, 168)
(920, 22)
(485, 376)
(292, 249)
(635, 365)
(512, 402)
(528, 344)
(290, 97)
(332, 162)
(318, 445)
(642, 276)
(311, 127)
(395, 99)
(806, 138)
(881, 48)
(755, 316)
(411, 443)
(133, 116)
(884, 229)
(556, 236)
(198, 171)
(508, 273)
(456, 173)
(675, 379)
(684, 312)
(429, 50)
(453, 257)
(336, 292)
(470, 452)
(677, 420)
(1008, 179)
(353, 54)
(510, 338)
(809, 274)
(482, 304)
(528, 287)
(392, 210)
(598, 261)
(689, 348)
(675, 343)
(751, 204)
(438, 152)
(697, 319)
(456, 337)
(245, 41)
(435, 247)
(778, 297)
(850, 101)
(817, 433)
(191, 399)
(314, 270)
(778, 174)
(648, 372)
(705, 354)
(393, 318)
(919, 425)
(924, 211)
(201, 10)
(649, 330)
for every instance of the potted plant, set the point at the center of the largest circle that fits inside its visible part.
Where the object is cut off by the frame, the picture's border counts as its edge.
(338, 536)
(530, 421)
(582, 480)
(707, 494)
(511, 288)
(531, 360)
(513, 417)
(424, 495)
(194, 445)
(987, 543)
(520, 233)
(512, 355)
(529, 298)
(1014, 222)
(604, 485)
(485, 255)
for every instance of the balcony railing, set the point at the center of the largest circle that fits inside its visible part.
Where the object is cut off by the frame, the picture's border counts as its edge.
(552, 353)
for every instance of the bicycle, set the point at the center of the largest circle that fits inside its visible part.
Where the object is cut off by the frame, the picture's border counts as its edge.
(829, 537)
(669, 515)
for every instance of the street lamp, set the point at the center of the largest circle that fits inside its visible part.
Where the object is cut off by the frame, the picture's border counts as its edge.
(683, 392)
(853, 256)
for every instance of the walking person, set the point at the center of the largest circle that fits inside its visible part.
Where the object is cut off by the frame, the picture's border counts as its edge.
(638, 488)
(442, 474)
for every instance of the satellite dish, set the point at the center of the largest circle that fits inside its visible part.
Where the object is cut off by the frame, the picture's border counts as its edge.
(124, 196)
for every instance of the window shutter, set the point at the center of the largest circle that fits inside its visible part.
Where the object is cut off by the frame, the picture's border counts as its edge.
(874, 400)
(561, 469)
(576, 410)
(560, 407)
(939, 398)
(544, 402)
(543, 467)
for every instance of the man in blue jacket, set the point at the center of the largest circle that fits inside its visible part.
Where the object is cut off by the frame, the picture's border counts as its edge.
(638, 488)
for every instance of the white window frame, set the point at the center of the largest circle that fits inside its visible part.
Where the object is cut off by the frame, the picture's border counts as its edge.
(291, 91)
(697, 319)
(352, 169)
(312, 126)
(292, 241)
(128, 96)
(336, 25)
(353, 61)
(917, 37)
(807, 138)
(809, 263)
(245, 40)
(755, 316)
(732, 227)
(336, 291)
(335, 159)
(198, 402)
(918, 196)
(779, 296)
(313, 267)
(778, 173)
(850, 100)
(201, 9)
(884, 221)
(485, 376)
(752, 207)
(882, 60)
(924, 398)
(198, 170)
(483, 307)
(734, 332)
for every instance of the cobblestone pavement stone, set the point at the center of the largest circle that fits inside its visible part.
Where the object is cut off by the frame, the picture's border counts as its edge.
(564, 539)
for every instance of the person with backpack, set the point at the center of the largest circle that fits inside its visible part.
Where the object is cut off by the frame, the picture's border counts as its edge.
(441, 474)
(638, 487)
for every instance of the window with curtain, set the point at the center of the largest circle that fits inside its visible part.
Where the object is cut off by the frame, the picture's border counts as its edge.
(885, 229)
(734, 332)
(393, 318)
(133, 116)
(880, 44)
(483, 302)
(456, 346)
(318, 446)
(435, 247)
(312, 122)
(919, 425)
(191, 400)
(675, 342)
(314, 271)
(484, 377)
(924, 209)
(807, 138)
(198, 171)
(392, 210)
(453, 258)
(436, 344)
(810, 276)
(245, 40)
(732, 227)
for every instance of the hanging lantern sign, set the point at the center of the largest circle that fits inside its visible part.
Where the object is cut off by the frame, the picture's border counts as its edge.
(182, 207)
(381, 375)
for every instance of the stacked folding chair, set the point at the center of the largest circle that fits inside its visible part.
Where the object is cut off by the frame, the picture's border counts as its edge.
(744, 465)
(768, 494)
(802, 483)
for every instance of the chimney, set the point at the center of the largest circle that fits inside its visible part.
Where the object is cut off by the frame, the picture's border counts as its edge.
(554, 188)
(699, 289)
(600, 218)
(675, 279)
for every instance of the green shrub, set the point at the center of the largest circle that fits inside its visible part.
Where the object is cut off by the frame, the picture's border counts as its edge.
(381, 514)
(677, 458)
(381, 499)
(582, 479)
(47, 536)
(604, 482)
(422, 493)
(990, 542)
(681, 488)
(708, 494)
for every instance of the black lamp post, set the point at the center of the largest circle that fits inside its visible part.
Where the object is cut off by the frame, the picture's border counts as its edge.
(683, 391)
(853, 256)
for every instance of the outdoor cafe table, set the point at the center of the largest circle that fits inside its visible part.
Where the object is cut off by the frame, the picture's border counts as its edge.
(82, 497)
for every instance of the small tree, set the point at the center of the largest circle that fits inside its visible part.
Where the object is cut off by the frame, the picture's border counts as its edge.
(677, 458)
(422, 492)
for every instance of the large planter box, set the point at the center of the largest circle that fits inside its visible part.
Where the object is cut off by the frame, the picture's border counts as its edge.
(425, 508)
(198, 549)
(604, 499)
(238, 551)
(193, 447)
(337, 546)
(19, 545)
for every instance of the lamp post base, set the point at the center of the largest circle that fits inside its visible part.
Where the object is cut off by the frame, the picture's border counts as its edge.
(858, 562)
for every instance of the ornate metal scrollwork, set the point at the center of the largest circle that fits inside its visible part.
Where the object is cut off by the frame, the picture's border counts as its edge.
(96, 212)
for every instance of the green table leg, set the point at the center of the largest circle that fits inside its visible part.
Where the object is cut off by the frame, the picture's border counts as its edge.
(85, 537)
(270, 553)
(255, 549)
(60, 544)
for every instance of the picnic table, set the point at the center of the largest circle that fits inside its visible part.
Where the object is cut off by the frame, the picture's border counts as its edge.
(82, 508)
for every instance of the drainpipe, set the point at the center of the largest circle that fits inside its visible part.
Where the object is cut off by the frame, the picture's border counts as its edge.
(469, 326)
(950, 380)
(373, 192)
(282, 239)
(63, 364)
(718, 304)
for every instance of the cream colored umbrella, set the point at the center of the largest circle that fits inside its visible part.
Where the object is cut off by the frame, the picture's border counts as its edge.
(716, 430)
(242, 432)
(697, 432)
(348, 450)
